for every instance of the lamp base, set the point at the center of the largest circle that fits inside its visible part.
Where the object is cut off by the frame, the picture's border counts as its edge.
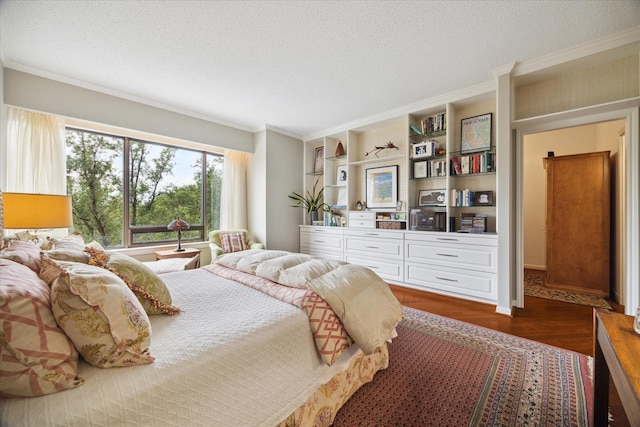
(179, 250)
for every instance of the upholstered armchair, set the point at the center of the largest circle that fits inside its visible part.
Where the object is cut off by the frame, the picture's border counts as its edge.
(223, 241)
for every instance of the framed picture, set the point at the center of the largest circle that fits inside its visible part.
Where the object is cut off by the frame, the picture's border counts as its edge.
(341, 178)
(483, 198)
(422, 150)
(419, 169)
(432, 197)
(476, 134)
(318, 160)
(382, 187)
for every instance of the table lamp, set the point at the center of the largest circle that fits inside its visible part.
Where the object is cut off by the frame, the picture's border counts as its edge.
(178, 225)
(33, 212)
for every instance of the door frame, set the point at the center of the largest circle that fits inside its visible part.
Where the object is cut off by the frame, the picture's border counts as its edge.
(628, 176)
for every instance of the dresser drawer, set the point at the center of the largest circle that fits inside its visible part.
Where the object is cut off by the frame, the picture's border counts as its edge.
(364, 215)
(390, 270)
(452, 280)
(388, 248)
(321, 240)
(468, 257)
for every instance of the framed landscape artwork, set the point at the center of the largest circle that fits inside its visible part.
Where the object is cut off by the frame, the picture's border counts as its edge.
(382, 187)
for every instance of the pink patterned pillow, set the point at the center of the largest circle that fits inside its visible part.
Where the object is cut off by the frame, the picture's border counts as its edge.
(233, 242)
(24, 253)
(36, 357)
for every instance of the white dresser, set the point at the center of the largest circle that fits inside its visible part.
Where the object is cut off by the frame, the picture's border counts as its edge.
(323, 242)
(459, 264)
(380, 250)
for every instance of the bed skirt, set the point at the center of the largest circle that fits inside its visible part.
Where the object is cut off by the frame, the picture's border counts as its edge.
(321, 408)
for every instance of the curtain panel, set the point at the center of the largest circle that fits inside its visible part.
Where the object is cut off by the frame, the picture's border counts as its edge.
(233, 209)
(36, 153)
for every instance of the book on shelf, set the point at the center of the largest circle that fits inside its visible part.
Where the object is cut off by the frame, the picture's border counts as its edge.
(435, 123)
(456, 165)
(416, 129)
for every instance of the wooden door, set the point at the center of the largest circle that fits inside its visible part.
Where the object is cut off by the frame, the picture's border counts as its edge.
(578, 215)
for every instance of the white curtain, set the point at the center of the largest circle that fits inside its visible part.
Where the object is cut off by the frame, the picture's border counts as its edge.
(36, 157)
(233, 209)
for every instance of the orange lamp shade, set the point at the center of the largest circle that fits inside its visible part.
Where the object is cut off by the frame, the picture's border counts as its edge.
(36, 211)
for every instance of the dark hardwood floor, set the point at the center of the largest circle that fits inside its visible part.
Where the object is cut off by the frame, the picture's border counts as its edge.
(561, 324)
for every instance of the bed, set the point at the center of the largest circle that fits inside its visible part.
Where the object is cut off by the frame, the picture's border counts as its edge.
(240, 352)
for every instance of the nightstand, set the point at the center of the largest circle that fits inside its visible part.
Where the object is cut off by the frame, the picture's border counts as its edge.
(187, 253)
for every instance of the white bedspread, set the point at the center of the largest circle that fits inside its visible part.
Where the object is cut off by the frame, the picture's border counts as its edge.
(233, 357)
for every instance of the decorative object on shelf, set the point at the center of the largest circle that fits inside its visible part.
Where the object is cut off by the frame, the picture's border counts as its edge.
(33, 212)
(311, 203)
(432, 197)
(340, 150)
(178, 225)
(380, 148)
(399, 206)
(425, 149)
(359, 205)
(318, 162)
(483, 198)
(420, 169)
(382, 187)
(476, 133)
(341, 178)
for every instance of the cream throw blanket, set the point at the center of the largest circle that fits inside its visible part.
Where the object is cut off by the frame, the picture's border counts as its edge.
(361, 299)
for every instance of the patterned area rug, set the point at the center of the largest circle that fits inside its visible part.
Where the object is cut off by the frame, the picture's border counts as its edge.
(446, 372)
(534, 286)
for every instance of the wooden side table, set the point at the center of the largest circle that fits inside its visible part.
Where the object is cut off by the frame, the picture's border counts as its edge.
(616, 353)
(187, 253)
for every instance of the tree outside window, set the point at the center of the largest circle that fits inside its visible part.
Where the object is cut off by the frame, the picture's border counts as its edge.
(163, 183)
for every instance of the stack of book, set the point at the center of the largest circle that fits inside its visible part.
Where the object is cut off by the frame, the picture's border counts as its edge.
(435, 123)
(473, 223)
(473, 163)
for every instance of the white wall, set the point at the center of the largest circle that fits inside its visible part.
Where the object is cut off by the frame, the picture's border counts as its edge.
(582, 139)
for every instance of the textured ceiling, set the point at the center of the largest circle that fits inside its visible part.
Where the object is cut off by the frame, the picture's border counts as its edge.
(299, 66)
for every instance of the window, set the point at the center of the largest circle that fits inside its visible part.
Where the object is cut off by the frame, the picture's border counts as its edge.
(130, 206)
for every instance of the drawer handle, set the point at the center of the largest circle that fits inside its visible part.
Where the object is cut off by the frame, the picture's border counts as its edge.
(448, 239)
(446, 279)
(371, 234)
(372, 247)
(449, 255)
(320, 241)
(373, 267)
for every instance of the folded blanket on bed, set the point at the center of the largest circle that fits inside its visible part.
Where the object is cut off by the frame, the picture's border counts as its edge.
(361, 299)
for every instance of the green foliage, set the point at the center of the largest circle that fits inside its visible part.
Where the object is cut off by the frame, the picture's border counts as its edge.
(312, 201)
(95, 181)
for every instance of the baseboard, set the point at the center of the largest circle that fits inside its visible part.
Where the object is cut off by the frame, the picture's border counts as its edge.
(535, 267)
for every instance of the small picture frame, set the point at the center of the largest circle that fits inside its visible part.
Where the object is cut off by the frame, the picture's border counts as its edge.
(318, 160)
(483, 198)
(341, 175)
(476, 134)
(419, 170)
(432, 197)
(399, 205)
(421, 150)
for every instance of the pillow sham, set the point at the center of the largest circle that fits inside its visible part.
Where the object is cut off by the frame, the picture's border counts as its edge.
(25, 253)
(233, 242)
(100, 314)
(36, 357)
(147, 286)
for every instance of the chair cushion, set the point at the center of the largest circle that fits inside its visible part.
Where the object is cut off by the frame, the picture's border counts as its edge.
(233, 242)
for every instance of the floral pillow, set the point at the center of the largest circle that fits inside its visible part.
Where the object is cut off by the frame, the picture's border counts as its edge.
(99, 313)
(233, 242)
(25, 253)
(36, 357)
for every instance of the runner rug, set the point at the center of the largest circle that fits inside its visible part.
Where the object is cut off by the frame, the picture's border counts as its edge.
(443, 372)
(534, 286)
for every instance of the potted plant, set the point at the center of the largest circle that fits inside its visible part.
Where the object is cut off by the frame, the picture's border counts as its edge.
(311, 203)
